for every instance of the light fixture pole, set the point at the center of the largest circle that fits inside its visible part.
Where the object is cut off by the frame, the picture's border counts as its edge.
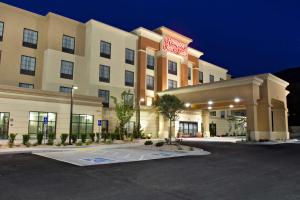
(71, 113)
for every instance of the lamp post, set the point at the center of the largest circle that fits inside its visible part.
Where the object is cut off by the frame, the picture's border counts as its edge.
(139, 113)
(71, 112)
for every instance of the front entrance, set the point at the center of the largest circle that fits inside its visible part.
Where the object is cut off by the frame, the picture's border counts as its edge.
(4, 124)
(188, 128)
(213, 129)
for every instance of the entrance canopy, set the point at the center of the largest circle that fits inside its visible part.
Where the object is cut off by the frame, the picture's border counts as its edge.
(263, 96)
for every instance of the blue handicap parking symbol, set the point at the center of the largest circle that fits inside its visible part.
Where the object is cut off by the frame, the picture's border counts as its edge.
(97, 160)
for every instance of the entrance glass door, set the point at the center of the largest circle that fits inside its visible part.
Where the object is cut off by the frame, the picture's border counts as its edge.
(213, 129)
(188, 128)
(4, 124)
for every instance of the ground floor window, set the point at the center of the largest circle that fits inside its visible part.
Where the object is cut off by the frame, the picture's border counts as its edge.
(82, 124)
(4, 124)
(42, 122)
(190, 128)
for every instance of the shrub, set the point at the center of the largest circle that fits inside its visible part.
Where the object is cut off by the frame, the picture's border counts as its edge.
(159, 144)
(12, 138)
(109, 141)
(79, 143)
(98, 137)
(74, 138)
(51, 137)
(63, 138)
(89, 142)
(83, 137)
(179, 147)
(92, 137)
(191, 148)
(148, 142)
(39, 138)
(26, 139)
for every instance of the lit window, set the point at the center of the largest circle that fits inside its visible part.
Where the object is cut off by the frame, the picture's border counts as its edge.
(82, 124)
(150, 82)
(28, 65)
(150, 62)
(105, 49)
(36, 123)
(104, 73)
(65, 89)
(129, 78)
(66, 69)
(26, 85)
(30, 38)
(128, 99)
(172, 67)
(105, 97)
(68, 44)
(129, 56)
(200, 77)
(172, 84)
(1, 30)
(189, 73)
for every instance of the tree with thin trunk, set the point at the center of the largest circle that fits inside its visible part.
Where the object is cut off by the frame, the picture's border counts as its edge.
(124, 110)
(170, 107)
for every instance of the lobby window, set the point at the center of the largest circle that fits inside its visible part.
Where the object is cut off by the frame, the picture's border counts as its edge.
(129, 56)
(105, 49)
(28, 65)
(172, 84)
(150, 82)
(104, 73)
(223, 114)
(30, 38)
(213, 114)
(150, 62)
(1, 30)
(64, 89)
(128, 99)
(189, 73)
(66, 69)
(82, 124)
(201, 77)
(36, 122)
(68, 44)
(211, 78)
(129, 78)
(172, 67)
(26, 85)
(105, 97)
(189, 128)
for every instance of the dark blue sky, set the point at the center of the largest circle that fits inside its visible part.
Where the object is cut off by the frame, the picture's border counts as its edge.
(245, 36)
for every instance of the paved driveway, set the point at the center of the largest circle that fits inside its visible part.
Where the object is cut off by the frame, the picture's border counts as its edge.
(231, 172)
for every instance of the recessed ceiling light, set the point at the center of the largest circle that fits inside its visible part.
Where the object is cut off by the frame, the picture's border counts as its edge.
(209, 107)
(210, 102)
(231, 106)
(187, 105)
(237, 100)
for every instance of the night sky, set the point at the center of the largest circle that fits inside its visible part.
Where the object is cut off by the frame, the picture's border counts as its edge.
(244, 36)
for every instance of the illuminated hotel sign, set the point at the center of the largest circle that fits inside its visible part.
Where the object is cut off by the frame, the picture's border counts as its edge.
(173, 45)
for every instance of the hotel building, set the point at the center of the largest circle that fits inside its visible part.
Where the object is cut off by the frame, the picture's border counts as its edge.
(43, 57)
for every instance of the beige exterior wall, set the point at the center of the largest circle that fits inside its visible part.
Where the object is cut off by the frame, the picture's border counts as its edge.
(211, 69)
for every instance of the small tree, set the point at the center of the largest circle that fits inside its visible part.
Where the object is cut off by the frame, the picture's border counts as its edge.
(169, 106)
(124, 109)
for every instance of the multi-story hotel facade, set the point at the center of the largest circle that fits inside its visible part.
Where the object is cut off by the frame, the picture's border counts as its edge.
(42, 58)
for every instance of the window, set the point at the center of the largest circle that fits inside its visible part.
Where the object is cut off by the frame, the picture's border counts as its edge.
(30, 38)
(223, 114)
(105, 49)
(189, 73)
(104, 74)
(129, 56)
(28, 65)
(213, 114)
(129, 78)
(37, 125)
(172, 84)
(26, 85)
(65, 89)
(211, 78)
(68, 44)
(150, 82)
(128, 99)
(172, 67)
(66, 69)
(200, 77)
(4, 124)
(105, 97)
(1, 30)
(189, 128)
(82, 124)
(150, 62)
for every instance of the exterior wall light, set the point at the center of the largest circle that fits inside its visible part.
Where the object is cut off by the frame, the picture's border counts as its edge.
(187, 105)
